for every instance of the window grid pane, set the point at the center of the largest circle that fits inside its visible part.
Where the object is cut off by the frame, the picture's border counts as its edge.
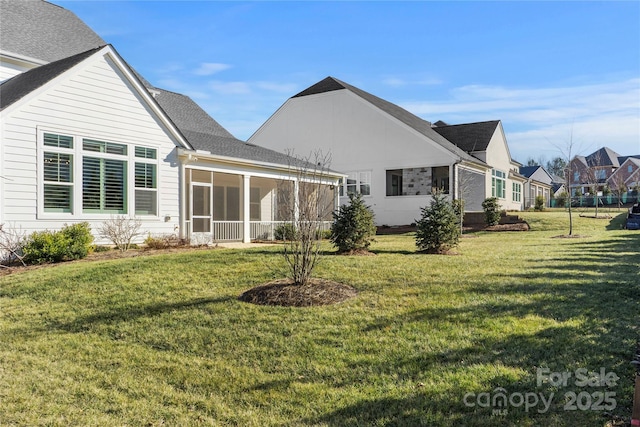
(145, 174)
(145, 153)
(104, 147)
(58, 167)
(60, 141)
(57, 198)
(104, 185)
(146, 202)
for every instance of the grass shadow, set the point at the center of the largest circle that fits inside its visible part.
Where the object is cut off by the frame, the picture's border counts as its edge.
(85, 323)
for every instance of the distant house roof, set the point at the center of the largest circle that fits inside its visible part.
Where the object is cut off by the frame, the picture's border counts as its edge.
(557, 186)
(422, 126)
(557, 179)
(529, 170)
(623, 159)
(43, 31)
(605, 156)
(470, 137)
(537, 173)
(17, 87)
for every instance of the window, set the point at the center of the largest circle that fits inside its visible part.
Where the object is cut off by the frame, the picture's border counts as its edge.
(629, 168)
(576, 176)
(357, 183)
(440, 179)
(498, 184)
(58, 173)
(601, 174)
(394, 182)
(104, 185)
(146, 192)
(516, 191)
(103, 171)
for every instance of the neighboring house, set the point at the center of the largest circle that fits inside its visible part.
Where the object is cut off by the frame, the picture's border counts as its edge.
(394, 158)
(557, 186)
(487, 142)
(626, 178)
(83, 137)
(539, 183)
(590, 173)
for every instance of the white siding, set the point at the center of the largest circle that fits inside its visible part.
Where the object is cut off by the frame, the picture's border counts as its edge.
(360, 137)
(95, 101)
(498, 157)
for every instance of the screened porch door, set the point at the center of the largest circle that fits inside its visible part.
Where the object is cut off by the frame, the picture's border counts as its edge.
(201, 211)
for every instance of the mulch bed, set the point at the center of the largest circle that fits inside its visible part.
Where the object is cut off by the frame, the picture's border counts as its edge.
(107, 255)
(284, 292)
(356, 252)
(518, 226)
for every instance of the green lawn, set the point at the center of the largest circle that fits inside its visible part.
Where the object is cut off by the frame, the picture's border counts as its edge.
(162, 339)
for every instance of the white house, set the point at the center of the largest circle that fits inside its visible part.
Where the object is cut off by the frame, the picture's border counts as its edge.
(83, 137)
(539, 183)
(394, 158)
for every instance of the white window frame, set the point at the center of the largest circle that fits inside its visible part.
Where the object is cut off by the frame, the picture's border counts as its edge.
(516, 191)
(494, 184)
(78, 154)
(41, 175)
(361, 178)
(148, 161)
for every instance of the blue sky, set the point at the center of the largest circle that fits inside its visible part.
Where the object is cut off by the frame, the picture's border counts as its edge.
(551, 71)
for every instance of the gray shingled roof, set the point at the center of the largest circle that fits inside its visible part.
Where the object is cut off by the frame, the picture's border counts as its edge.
(204, 133)
(605, 156)
(43, 31)
(422, 126)
(470, 137)
(187, 115)
(21, 85)
(527, 171)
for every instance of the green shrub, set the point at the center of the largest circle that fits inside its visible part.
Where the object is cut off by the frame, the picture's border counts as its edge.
(438, 230)
(539, 204)
(491, 211)
(353, 225)
(285, 232)
(561, 199)
(79, 240)
(72, 242)
(100, 248)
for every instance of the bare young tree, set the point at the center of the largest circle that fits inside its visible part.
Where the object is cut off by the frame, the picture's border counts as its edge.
(593, 176)
(567, 153)
(11, 242)
(618, 187)
(121, 230)
(306, 202)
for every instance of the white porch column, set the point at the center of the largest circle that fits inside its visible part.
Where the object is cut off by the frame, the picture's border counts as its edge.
(246, 208)
(453, 187)
(182, 200)
(296, 201)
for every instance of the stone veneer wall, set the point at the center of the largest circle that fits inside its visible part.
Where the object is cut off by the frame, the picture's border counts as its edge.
(416, 181)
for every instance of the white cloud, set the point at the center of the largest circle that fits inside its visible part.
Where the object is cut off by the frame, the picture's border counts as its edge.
(286, 88)
(209, 68)
(399, 82)
(538, 120)
(230, 88)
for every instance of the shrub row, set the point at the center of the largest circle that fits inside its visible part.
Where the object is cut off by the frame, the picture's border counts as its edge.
(72, 242)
